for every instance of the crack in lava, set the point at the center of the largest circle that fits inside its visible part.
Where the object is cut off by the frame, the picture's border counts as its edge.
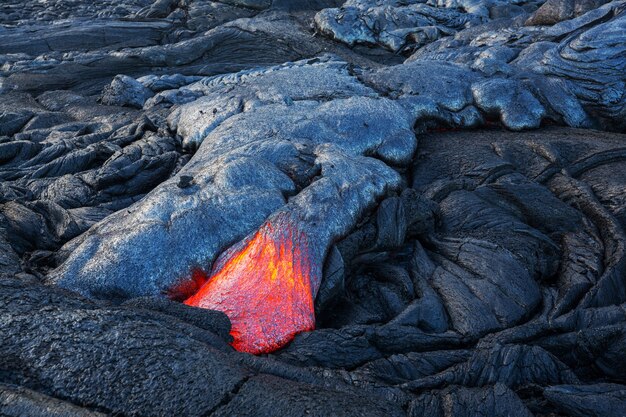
(264, 285)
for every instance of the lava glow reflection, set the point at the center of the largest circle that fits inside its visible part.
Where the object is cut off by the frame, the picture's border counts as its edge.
(264, 286)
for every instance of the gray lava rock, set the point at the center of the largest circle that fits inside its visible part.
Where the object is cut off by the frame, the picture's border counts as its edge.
(330, 134)
(391, 25)
(517, 108)
(125, 91)
(555, 11)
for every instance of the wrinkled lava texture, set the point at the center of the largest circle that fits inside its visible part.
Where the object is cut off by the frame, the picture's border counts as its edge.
(313, 208)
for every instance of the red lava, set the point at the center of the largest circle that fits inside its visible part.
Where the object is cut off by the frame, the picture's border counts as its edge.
(264, 287)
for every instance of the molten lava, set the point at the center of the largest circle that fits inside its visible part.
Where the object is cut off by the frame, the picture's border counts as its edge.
(264, 285)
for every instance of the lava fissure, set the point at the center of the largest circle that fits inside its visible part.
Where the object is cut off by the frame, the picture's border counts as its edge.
(266, 285)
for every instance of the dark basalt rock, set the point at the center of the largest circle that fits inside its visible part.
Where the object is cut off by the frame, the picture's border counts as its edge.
(584, 400)
(213, 321)
(51, 338)
(73, 349)
(456, 166)
(19, 401)
(495, 401)
(298, 399)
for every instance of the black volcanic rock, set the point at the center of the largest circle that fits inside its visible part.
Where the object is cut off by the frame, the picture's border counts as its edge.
(497, 401)
(270, 396)
(584, 400)
(110, 358)
(19, 401)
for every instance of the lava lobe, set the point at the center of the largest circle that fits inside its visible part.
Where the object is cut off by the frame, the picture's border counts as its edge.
(265, 286)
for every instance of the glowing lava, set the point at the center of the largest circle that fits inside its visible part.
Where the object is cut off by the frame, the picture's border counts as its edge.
(264, 285)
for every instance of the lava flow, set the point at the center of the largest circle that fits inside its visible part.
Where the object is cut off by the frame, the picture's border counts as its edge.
(264, 285)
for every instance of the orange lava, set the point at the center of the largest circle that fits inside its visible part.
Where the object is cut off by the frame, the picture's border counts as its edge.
(264, 287)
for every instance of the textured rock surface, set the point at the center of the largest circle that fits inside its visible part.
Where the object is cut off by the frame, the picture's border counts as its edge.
(596, 400)
(555, 11)
(447, 176)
